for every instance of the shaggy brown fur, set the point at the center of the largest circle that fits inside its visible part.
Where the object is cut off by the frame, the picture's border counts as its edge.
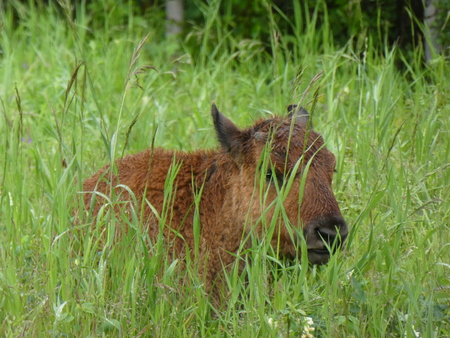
(230, 180)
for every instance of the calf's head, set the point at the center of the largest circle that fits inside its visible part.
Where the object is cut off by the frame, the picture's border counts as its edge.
(284, 157)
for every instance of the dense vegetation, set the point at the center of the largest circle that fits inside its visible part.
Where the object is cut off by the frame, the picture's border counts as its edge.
(75, 91)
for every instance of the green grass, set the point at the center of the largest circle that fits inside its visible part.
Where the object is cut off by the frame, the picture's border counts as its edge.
(389, 128)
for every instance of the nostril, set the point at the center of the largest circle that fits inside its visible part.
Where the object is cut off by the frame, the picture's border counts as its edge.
(330, 238)
(327, 235)
(333, 231)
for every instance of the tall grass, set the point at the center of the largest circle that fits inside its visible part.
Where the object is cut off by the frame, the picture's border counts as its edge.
(67, 94)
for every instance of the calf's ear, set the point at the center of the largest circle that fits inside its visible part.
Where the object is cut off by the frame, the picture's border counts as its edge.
(300, 113)
(230, 136)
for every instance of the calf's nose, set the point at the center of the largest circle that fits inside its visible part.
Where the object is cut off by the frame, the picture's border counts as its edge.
(324, 234)
(332, 230)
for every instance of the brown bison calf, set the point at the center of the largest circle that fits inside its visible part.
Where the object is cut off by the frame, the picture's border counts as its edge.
(237, 188)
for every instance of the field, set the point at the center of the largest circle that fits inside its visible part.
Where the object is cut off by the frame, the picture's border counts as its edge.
(84, 93)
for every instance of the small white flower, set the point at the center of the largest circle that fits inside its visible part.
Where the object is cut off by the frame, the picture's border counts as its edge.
(307, 329)
(309, 321)
(350, 274)
(272, 323)
(416, 333)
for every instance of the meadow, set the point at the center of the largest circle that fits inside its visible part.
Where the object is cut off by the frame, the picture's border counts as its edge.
(76, 94)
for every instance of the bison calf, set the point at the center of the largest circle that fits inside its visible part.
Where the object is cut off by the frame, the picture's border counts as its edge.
(237, 185)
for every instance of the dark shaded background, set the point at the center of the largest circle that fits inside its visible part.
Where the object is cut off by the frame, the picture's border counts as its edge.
(386, 22)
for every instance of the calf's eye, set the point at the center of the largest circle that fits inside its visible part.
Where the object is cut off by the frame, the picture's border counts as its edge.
(271, 176)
